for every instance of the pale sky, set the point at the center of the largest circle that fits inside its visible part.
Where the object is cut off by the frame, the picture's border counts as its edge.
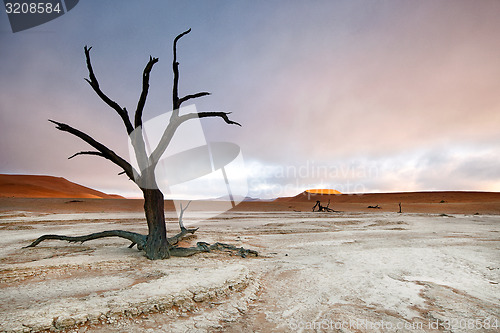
(359, 96)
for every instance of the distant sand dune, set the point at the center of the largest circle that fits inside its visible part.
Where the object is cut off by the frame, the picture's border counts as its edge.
(459, 202)
(403, 197)
(30, 186)
(50, 194)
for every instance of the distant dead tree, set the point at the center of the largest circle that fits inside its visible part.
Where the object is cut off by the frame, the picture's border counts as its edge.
(375, 207)
(322, 208)
(400, 208)
(155, 244)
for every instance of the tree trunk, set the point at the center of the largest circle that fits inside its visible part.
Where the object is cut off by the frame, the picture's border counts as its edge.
(157, 246)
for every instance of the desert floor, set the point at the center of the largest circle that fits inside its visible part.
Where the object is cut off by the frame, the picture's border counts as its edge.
(332, 272)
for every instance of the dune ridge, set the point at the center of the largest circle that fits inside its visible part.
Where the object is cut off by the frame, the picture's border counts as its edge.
(39, 186)
(322, 191)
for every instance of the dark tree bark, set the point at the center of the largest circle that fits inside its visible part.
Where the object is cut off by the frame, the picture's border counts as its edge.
(156, 244)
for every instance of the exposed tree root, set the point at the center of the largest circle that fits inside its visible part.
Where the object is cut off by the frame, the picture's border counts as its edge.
(140, 241)
(134, 237)
(184, 232)
(205, 247)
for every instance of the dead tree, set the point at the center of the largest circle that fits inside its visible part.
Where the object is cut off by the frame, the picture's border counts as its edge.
(400, 211)
(155, 244)
(322, 208)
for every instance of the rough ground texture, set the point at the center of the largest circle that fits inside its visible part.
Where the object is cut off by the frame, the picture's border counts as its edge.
(331, 272)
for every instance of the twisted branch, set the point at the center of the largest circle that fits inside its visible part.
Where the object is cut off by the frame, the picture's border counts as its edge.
(223, 115)
(95, 85)
(103, 150)
(188, 97)
(145, 89)
(134, 237)
(184, 231)
(86, 153)
(175, 68)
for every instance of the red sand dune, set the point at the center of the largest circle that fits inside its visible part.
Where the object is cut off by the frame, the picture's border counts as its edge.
(45, 193)
(30, 186)
(460, 202)
(396, 197)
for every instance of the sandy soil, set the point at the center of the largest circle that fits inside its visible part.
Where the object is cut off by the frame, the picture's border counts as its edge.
(333, 272)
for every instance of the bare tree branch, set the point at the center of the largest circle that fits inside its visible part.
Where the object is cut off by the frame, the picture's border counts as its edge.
(184, 231)
(188, 97)
(223, 115)
(145, 89)
(181, 223)
(105, 151)
(136, 137)
(95, 85)
(86, 153)
(175, 66)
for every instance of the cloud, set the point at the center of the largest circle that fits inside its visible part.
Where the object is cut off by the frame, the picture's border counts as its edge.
(458, 167)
